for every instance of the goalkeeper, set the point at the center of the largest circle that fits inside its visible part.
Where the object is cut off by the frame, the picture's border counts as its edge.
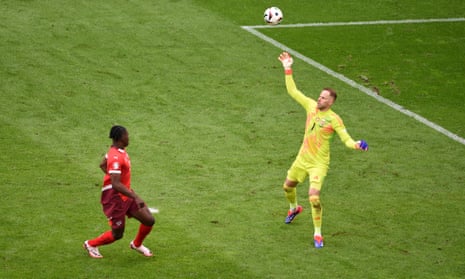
(313, 157)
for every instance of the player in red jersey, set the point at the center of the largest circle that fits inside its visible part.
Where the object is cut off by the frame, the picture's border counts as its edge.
(119, 200)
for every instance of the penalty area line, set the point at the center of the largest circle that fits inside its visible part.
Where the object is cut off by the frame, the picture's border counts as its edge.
(354, 84)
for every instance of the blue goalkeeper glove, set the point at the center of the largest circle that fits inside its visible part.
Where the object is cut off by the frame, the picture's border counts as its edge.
(362, 145)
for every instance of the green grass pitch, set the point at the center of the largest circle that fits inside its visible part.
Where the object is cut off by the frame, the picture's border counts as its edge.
(213, 132)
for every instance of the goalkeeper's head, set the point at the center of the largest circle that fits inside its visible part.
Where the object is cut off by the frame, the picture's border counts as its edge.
(326, 99)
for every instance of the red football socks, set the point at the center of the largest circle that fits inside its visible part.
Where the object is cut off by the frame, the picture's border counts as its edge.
(104, 238)
(141, 234)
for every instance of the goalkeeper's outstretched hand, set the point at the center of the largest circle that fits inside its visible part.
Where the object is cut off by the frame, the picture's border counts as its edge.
(362, 145)
(286, 60)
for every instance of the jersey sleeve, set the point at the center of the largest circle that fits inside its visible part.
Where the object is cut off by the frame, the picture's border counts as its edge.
(114, 164)
(297, 95)
(343, 134)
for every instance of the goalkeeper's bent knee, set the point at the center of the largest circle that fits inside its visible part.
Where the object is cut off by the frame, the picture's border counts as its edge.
(315, 201)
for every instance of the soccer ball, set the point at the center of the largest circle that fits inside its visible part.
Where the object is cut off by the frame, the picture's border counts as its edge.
(273, 15)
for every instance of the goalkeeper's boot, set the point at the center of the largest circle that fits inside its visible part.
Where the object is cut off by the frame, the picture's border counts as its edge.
(93, 251)
(141, 249)
(292, 213)
(318, 240)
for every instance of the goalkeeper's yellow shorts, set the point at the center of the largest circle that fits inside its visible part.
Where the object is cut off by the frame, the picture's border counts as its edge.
(300, 170)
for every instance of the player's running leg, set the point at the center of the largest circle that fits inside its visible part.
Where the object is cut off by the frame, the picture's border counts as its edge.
(317, 213)
(290, 192)
(317, 176)
(147, 220)
(107, 237)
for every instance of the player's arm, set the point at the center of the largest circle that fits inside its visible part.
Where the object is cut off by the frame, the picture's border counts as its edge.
(291, 87)
(121, 188)
(347, 139)
(103, 164)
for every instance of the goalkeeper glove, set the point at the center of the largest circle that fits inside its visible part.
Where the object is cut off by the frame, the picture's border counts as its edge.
(362, 145)
(286, 60)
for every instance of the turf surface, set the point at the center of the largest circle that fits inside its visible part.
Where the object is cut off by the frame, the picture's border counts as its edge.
(212, 135)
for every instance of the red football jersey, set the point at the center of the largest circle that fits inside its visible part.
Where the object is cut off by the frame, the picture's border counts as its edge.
(118, 162)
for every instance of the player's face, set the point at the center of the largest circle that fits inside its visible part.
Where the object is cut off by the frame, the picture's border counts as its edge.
(325, 100)
(125, 139)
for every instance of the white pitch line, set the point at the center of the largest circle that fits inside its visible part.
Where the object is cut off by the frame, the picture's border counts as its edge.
(375, 22)
(356, 85)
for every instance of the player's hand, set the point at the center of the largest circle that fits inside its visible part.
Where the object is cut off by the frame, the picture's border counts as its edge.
(140, 202)
(362, 145)
(286, 60)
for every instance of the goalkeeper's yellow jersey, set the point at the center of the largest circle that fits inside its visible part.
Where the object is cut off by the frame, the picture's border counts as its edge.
(319, 129)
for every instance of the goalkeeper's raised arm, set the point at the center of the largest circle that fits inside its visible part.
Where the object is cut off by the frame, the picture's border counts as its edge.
(291, 87)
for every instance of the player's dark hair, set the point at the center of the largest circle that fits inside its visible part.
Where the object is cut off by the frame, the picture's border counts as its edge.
(117, 132)
(332, 92)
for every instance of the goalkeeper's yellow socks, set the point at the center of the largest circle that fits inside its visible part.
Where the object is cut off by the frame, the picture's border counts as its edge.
(316, 216)
(291, 196)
